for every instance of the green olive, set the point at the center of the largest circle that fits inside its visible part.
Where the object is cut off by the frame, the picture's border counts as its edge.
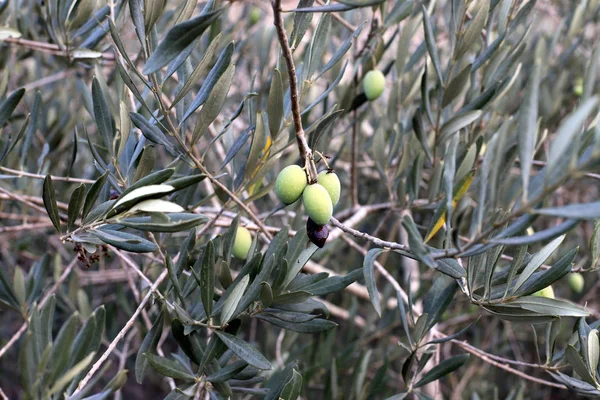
(578, 87)
(545, 292)
(317, 203)
(576, 282)
(373, 84)
(254, 15)
(242, 243)
(290, 184)
(331, 183)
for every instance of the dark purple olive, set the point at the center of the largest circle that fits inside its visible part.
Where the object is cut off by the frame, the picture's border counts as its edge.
(316, 233)
(113, 194)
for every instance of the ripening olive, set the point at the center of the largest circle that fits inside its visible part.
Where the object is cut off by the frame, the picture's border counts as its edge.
(316, 233)
(241, 243)
(331, 183)
(373, 84)
(317, 203)
(290, 184)
(545, 292)
(576, 282)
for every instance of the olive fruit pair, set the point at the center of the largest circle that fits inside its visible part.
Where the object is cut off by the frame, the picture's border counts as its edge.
(373, 84)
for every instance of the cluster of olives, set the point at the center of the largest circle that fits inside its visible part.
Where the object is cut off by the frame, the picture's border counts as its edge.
(318, 198)
(292, 183)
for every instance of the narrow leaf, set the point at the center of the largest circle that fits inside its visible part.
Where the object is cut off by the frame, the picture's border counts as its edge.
(244, 350)
(49, 198)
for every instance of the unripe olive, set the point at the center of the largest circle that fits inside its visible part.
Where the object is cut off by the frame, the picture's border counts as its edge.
(316, 233)
(545, 292)
(578, 87)
(331, 183)
(254, 15)
(373, 84)
(241, 243)
(576, 282)
(317, 203)
(290, 184)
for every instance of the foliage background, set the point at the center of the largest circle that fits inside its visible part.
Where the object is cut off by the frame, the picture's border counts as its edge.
(483, 98)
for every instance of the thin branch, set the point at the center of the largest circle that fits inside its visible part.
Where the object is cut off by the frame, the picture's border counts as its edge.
(25, 227)
(25, 201)
(50, 292)
(51, 48)
(173, 131)
(305, 151)
(23, 174)
(6, 195)
(353, 158)
(48, 80)
(14, 338)
(402, 249)
(129, 262)
(380, 268)
(485, 357)
(121, 334)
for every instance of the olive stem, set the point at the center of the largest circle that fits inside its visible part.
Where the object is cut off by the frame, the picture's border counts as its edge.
(303, 147)
(324, 159)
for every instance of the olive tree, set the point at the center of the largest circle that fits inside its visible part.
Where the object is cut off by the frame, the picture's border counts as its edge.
(345, 199)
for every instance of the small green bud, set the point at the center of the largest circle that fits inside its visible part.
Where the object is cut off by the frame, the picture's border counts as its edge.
(317, 203)
(331, 183)
(290, 184)
(241, 243)
(374, 84)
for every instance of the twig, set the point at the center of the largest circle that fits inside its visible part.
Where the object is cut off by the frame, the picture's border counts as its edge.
(135, 268)
(342, 313)
(380, 268)
(485, 357)
(173, 131)
(376, 241)
(22, 174)
(51, 48)
(2, 395)
(305, 151)
(25, 201)
(121, 334)
(47, 80)
(6, 195)
(278, 345)
(50, 292)
(341, 20)
(14, 338)
(353, 161)
(25, 227)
